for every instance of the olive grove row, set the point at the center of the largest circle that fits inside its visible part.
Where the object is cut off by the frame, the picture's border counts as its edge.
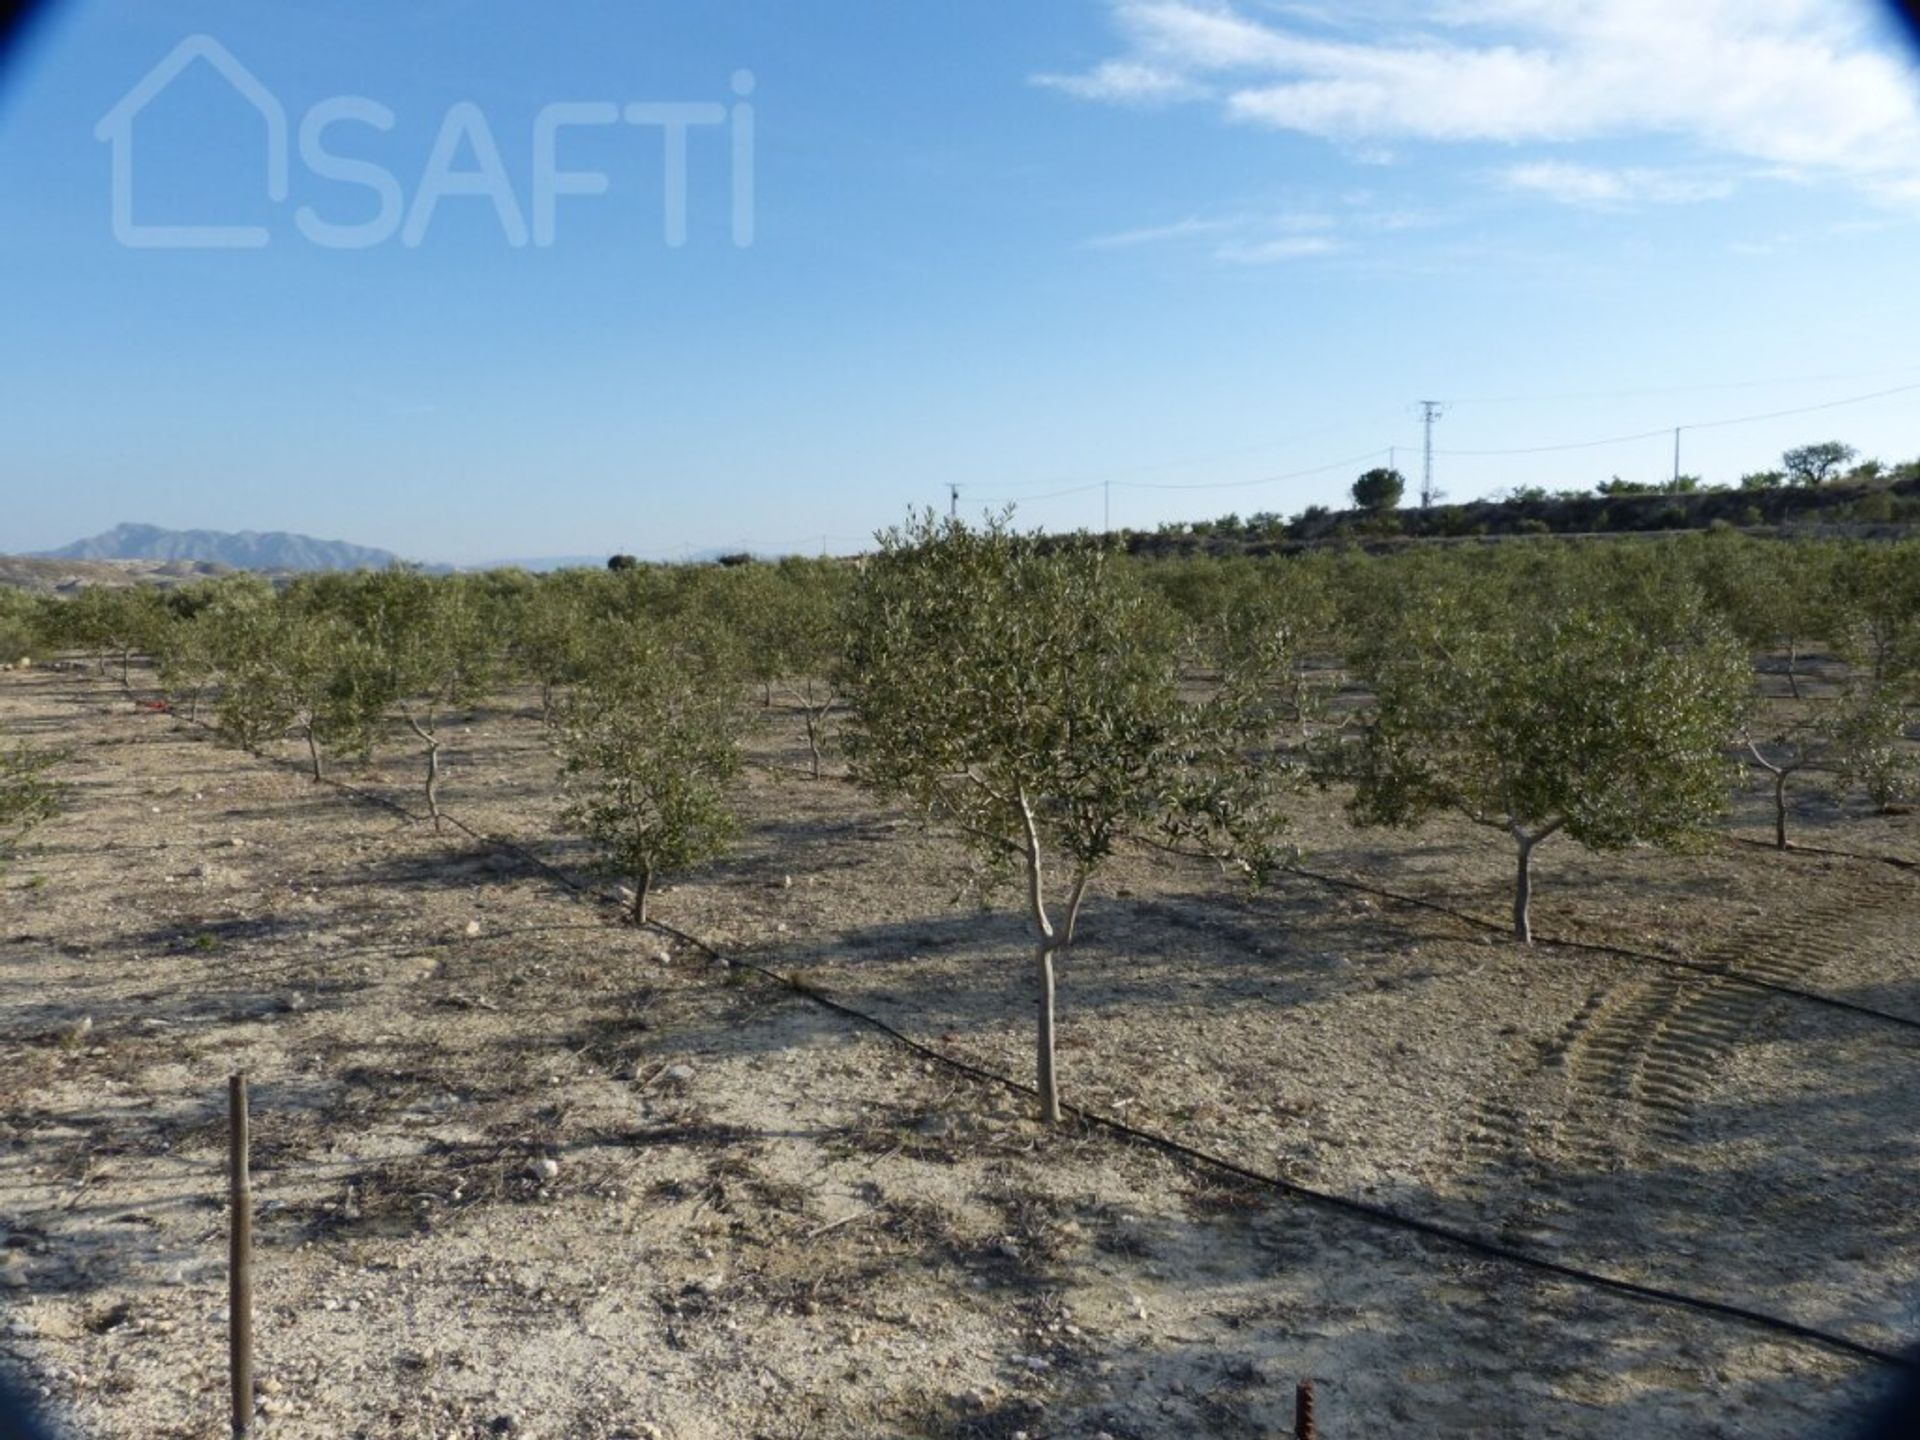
(1052, 701)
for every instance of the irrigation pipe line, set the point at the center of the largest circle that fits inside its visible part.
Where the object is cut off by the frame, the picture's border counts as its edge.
(1646, 957)
(1327, 1200)
(1793, 847)
(1378, 1215)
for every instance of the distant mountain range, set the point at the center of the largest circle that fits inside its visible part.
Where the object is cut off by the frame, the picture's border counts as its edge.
(277, 550)
(245, 550)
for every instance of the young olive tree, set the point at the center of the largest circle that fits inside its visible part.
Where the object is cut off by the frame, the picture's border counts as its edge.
(121, 620)
(1774, 595)
(183, 650)
(1857, 734)
(1571, 719)
(286, 665)
(648, 741)
(551, 636)
(244, 628)
(1027, 694)
(796, 635)
(429, 647)
(1281, 617)
(28, 795)
(24, 624)
(1875, 610)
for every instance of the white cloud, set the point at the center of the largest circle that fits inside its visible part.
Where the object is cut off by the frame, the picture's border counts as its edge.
(1124, 82)
(1804, 85)
(1610, 189)
(1160, 234)
(1271, 252)
(1256, 237)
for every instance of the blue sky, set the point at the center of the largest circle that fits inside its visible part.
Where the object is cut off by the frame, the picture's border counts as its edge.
(1142, 246)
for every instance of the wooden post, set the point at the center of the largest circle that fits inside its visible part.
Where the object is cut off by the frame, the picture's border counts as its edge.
(239, 1259)
(1303, 1427)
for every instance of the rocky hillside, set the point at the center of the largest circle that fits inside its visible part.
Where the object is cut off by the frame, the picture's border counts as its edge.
(244, 550)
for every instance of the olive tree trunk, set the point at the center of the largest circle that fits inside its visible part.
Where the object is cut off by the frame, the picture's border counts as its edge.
(1779, 773)
(431, 740)
(1523, 878)
(642, 889)
(1046, 943)
(813, 741)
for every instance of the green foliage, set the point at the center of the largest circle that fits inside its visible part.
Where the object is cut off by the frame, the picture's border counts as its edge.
(991, 678)
(113, 620)
(648, 742)
(1872, 751)
(1029, 694)
(1811, 465)
(1874, 609)
(1379, 489)
(550, 634)
(1556, 717)
(28, 793)
(23, 625)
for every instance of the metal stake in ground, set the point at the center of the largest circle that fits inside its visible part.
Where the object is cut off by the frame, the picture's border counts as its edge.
(1303, 1411)
(239, 1259)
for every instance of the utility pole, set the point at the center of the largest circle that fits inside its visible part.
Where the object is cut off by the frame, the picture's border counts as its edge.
(1429, 412)
(953, 501)
(1106, 507)
(1676, 457)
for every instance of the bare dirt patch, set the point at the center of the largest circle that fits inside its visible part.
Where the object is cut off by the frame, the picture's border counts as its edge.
(762, 1220)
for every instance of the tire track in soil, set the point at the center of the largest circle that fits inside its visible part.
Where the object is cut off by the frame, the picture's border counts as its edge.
(1634, 1060)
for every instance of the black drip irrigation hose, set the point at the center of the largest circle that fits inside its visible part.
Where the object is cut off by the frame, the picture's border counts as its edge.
(1190, 1155)
(1644, 957)
(1795, 848)
(1328, 1200)
(1378, 1215)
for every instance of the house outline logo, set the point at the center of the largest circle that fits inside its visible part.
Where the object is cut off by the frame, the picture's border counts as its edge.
(115, 128)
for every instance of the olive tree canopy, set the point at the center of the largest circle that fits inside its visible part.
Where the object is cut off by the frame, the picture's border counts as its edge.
(1559, 718)
(1028, 694)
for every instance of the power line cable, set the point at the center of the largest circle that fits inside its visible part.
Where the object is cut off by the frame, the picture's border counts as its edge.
(1365, 455)
(1106, 475)
(1029, 499)
(1666, 430)
(1681, 389)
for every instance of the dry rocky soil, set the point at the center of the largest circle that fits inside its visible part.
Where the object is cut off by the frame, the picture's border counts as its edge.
(522, 1169)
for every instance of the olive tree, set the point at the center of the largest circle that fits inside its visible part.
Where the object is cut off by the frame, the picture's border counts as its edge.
(1028, 695)
(648, 741)
(429, 647)
(551, 635)
(285, 663)
(28, 795)
(797, 635)
(1773, 595)
(121, 620)
(1874, 600)
(1280, 622)
(1856, 734)
(23, 624)
(1570, 719)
